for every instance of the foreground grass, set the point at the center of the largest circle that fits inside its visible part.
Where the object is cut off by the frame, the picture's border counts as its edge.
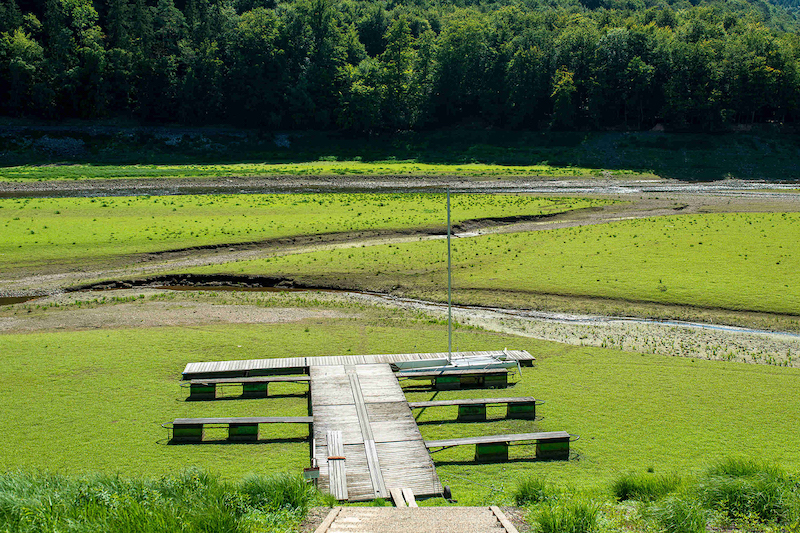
(37, 231)
(745, 262)
(735, 494)
(93, 401)
(313, 168)
(192, 501)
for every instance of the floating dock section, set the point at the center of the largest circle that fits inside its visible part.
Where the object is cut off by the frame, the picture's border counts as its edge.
(300, 365)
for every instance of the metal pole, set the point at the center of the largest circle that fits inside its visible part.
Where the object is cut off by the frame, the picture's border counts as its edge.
(449, 286)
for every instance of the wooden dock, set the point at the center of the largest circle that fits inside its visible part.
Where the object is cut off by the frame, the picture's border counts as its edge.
(300, 365)
(382, 446)
(365, 440)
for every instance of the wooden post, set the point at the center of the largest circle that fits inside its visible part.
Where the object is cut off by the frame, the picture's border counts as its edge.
(525, 410)
(553, 449)
(202, 391)
(491, 452)
(471, 381)
(472, 413)
(496, 381)
(187, 433)
(447, 382)
(243, 432)
(255, 390)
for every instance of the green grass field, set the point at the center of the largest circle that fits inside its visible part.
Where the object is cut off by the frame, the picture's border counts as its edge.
(313, 168)
(36, 231)
(730, 261)
(93, 401)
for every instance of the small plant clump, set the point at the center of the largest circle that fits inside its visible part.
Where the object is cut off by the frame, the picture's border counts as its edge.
(644, 487)
(750, 489)
(679, 515)
(568, 517)
(532, 490)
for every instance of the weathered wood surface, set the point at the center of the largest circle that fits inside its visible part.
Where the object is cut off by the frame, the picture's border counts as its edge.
(398, 498)
(247, 420)
(256, 379)
(487, 439)
(472, 401)
(427, 374)
(505, 522)
(300, 365)
(382, 444)
(408, 494)
(337, 466)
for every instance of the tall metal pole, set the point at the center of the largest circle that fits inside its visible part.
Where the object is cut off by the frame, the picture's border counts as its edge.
(449, 286)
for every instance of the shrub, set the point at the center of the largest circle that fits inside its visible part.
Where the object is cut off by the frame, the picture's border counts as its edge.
(532, 490)
(743, 488)
(679, 515)
(569, 517)
(644, 487)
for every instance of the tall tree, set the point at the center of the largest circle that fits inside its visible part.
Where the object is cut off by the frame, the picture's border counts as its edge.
(258, 70)
(10, 15)
(397, 62)
(22, 88)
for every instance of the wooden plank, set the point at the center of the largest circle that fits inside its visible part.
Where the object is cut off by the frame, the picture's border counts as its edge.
(408, 464)
(336, 465)
(516, 437)
(408, 494)
(326, 524)
(505, 522)
(381, 439)
(397, 497)
(471, 401)
(342, 418)
(212, 369)
(427, 374)
(366, 430)
(375, 472)
(247, 420)
(254, 379)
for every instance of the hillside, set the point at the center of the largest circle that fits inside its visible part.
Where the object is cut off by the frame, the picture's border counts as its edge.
(373, 66)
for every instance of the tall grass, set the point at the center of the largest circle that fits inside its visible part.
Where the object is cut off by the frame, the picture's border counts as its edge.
(278, 491)
(749, 488)
(644, 487)
(679, 515)
(530, 490)
(568, 517)
(192, 501)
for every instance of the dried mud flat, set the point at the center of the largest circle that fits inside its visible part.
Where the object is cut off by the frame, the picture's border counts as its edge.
(161, 307)
(151, 314)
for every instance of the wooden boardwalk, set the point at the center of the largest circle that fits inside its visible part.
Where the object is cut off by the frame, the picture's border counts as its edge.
(300, 365)
(383, 447)
(357, 401)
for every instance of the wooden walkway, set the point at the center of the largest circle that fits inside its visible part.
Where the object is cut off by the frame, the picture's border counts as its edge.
(300, 365)
(382, 445)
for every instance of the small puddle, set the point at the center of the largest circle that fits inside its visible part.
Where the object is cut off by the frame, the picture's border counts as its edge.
(232, 288)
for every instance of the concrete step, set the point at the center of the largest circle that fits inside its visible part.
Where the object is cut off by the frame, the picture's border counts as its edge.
(415, 520)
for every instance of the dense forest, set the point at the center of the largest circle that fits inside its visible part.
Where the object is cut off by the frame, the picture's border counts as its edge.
(389, 65)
